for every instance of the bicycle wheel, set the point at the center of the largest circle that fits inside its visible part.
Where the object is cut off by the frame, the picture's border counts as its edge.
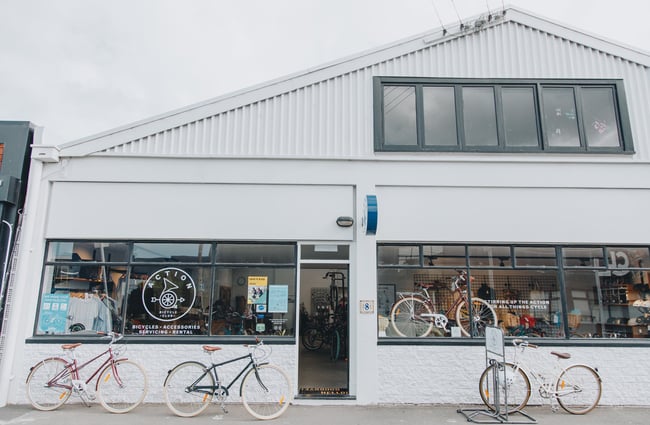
(188, 389)
(266, 393)
(335, 345)
(514, 387)
(411, 317)
(578, 389)
(483, 315)
(122, 386)
(49, 384)
(312, 339)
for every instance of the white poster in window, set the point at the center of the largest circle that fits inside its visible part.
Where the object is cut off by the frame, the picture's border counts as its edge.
(278, 298)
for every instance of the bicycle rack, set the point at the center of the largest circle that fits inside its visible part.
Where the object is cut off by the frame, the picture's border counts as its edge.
(495, 354)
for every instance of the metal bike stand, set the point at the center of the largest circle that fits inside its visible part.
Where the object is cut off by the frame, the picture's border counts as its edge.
(494, 356)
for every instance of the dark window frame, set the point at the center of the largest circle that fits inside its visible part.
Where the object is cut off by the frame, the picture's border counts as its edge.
(560, 268)
(616, 85)
(132, 263)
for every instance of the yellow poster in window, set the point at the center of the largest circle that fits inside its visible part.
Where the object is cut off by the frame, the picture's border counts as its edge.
(257, 289)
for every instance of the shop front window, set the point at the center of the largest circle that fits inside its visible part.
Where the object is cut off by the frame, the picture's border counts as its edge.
(612, 302)
(254, 300)
(527, 291)
(168, 299)
(168, 289)
(82, 289)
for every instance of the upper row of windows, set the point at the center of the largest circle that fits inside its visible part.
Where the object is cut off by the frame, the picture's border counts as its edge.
(423, 114)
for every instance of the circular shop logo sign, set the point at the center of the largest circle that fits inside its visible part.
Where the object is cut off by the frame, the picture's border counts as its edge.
(168, 294)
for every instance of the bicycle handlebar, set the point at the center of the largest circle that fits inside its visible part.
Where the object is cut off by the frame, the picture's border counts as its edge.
(115, 336)
(523, 343)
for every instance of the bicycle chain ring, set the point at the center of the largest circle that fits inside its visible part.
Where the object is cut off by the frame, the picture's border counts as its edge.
(221, 394)
(440, 320)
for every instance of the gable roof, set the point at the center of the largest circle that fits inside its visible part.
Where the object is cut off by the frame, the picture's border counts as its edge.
(107, 142)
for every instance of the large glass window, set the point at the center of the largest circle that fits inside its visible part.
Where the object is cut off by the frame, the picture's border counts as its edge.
(528, 291)
(561, 117)
(399, 116)
(599, 110)
(609, 297)
(168, 289)
(439, 105)
(510, 115)
(519, 117)
(479, 116)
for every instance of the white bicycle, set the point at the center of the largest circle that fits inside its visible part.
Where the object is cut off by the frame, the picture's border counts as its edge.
(576, 388)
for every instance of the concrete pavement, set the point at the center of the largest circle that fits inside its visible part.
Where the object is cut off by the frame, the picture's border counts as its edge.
(77, 414)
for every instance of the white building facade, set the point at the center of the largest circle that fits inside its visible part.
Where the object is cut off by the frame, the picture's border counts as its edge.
(514, 149)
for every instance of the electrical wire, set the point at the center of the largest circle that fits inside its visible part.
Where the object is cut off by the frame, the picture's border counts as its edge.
(453, 3)
(435, 9)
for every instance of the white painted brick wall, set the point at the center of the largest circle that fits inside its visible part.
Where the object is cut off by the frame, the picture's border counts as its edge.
(450, 374)
(407, 374)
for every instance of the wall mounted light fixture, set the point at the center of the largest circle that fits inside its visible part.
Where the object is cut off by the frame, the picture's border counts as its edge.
(345, 221)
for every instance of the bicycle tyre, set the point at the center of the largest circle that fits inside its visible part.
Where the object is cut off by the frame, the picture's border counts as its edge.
(121, 387)
(516, 387)
(585, 389)
(179, 396)
(39, 392)
(266, 391)
(406, 317)
(312, 339)
(483, 316)
(335, 345)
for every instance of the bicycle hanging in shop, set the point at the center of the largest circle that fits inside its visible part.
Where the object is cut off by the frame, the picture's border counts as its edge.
(415, 313)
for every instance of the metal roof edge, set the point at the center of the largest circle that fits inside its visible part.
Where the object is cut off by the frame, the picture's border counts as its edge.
(595, 41)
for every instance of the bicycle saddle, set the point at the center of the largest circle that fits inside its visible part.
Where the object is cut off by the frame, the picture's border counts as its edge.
(211, 348)
(561, 355)
(70, 346)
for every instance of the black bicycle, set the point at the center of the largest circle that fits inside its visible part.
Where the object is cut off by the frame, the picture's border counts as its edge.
(265, 389)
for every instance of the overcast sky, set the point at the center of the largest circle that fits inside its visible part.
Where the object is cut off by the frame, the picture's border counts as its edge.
(80, 67)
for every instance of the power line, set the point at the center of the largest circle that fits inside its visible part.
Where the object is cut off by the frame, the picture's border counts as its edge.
(444, 30)
(453, 3)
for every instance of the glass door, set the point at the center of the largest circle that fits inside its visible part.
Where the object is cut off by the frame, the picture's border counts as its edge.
(323, 367)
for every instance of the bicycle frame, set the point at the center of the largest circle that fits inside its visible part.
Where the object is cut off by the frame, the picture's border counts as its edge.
(212, 389)
(424, 294)
(544, 382)
(72, 369)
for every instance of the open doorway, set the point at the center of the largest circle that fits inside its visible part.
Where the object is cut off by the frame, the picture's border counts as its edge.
(324, 328)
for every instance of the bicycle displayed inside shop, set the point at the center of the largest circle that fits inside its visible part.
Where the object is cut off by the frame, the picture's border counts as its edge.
(414, 314)
(328, 326)
(323, 355)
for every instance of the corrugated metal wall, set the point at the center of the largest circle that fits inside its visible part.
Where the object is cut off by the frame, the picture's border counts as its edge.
(333, 118)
